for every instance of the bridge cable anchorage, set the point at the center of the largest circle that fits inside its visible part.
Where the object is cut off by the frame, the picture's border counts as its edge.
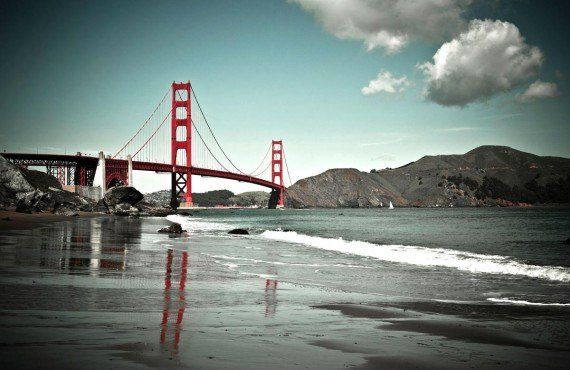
(144, 124)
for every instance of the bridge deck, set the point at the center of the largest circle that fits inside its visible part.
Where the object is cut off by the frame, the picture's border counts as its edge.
(35, 159)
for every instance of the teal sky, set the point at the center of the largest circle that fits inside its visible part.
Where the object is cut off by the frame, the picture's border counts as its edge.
(83, 76)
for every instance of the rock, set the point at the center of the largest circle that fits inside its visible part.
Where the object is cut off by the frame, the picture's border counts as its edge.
(124, 209)
(6, 219)
(12, 182)
(154, 210)
(41, 180)
(66, 212)
(567, 241)
(175, 228)
(122, 194)
(100, 206)
(239, 232)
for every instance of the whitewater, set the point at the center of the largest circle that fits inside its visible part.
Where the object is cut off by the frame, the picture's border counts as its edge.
(422, 256)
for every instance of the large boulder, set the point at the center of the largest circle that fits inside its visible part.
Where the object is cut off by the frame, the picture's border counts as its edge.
(122, 194)
(41, 180)
(12, 182)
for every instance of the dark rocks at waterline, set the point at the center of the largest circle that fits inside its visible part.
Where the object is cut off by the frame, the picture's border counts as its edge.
(154, 210)
(53, 201)
(175, 228)
(124, 209)
(567, 241)
(122, 194)
(238, 232)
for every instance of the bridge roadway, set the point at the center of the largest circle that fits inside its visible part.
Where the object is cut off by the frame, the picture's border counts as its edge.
(89, 162)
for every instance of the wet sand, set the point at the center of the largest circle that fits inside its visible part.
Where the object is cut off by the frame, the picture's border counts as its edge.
(11, 220)
(106, 292)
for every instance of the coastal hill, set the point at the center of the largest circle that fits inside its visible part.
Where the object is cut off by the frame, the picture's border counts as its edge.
(215, 198)
(487, 175)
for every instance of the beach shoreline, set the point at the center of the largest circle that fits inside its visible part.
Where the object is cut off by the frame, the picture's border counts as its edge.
(99, 291)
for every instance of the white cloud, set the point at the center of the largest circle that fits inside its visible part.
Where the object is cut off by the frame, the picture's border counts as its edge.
(489, 58)
(539, 90)
(385, 82)
(388, 24)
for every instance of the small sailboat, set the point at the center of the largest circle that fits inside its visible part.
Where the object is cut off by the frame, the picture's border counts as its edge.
(391, 205)
(381, 205)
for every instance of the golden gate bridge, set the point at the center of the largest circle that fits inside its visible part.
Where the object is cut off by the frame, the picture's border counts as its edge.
(178, 124)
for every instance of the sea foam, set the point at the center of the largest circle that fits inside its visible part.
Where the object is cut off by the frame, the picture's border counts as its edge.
(195, 224)
(422, 256)
(525, 303)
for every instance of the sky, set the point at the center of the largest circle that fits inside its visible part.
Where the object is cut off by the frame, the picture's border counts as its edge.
(348, 83)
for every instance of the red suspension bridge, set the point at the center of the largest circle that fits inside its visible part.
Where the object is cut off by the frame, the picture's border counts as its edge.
(181, 126)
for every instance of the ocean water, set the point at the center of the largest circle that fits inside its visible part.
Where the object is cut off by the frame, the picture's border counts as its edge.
(473, 255)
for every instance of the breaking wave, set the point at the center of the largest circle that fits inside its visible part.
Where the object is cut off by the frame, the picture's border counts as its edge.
(524, 303)
(195, 224)
(422, 256)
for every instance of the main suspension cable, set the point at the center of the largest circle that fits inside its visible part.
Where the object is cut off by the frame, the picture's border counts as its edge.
(144, 124)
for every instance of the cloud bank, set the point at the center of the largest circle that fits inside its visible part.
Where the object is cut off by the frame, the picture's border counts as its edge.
(385, 82)
(490, 57)
(388, 24)
(539, 90)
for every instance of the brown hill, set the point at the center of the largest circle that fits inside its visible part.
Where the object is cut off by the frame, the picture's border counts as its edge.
(487, 175)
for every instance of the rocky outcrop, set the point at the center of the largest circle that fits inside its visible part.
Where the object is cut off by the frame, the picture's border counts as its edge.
(485, 176)
(34, 191)
(52, 201)
(12, 183)
(122, 194)
(128, 201)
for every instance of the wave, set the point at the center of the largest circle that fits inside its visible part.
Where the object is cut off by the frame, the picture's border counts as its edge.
(525, 303)
(422, 256)
(195, 225)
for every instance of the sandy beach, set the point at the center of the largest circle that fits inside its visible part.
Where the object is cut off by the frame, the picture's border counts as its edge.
(105, 292)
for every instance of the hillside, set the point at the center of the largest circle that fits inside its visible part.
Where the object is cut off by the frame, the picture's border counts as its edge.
(215, 198)
(487, 175)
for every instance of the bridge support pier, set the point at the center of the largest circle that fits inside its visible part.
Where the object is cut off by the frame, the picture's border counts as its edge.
(102, 174)
(130, 181)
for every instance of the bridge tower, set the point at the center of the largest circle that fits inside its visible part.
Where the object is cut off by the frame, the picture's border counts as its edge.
(181, 143)
(277, 169)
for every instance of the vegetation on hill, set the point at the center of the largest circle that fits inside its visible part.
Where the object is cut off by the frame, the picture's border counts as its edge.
(488, 175)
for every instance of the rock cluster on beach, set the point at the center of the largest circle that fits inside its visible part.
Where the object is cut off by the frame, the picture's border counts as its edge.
(34, 191)
(30, 191)
(128, 201)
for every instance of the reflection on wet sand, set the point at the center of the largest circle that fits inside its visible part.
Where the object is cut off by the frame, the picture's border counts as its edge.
(270, 297)
(92, 245)
(170, 334)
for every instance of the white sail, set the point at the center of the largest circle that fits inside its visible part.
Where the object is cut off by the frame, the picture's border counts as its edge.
(391, 205)
(381, 205)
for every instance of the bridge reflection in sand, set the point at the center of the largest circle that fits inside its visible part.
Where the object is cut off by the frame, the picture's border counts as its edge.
(174, 302)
